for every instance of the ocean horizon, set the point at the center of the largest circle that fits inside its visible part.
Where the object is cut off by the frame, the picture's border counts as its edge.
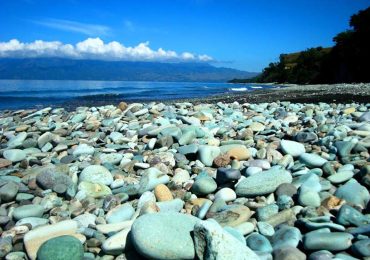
(25, 94)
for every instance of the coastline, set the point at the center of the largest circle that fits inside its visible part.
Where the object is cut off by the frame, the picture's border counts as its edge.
(345, 93)
(297, 93)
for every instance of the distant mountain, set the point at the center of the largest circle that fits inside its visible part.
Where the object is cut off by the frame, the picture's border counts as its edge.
(69, 69)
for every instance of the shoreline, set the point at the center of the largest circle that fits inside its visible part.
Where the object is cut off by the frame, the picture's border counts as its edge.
(263, 170)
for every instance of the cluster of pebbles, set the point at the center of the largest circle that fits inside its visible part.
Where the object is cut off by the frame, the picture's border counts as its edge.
(274, 180)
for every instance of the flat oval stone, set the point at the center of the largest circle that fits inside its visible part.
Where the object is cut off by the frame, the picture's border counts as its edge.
(340, 177)
(63, 247)
(295, 149)
(286, 236)
(83, 149)
(116, 244)
(263, 183)
(14, 155)
(4, 163)
(96, 174)
(120, 213)
(94, 190)
(204, 185)
(26, 211)
(112, 158)
(225, 194)
(331, 241)
(312, 160)
(231, 215)
(149, 240)
(259, 243)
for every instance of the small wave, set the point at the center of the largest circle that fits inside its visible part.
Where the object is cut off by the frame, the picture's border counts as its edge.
(239, 89)
(256, 87)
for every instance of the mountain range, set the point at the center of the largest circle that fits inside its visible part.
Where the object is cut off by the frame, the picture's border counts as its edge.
(73, 69)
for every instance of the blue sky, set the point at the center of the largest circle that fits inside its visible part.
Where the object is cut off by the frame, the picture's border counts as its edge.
(247, 34)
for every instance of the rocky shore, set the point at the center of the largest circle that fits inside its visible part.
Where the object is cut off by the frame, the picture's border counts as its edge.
(277, 180)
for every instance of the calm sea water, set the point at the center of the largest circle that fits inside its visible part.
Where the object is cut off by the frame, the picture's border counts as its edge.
(20, 94)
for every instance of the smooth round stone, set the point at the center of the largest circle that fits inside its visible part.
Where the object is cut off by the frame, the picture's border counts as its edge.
(112, 158)
(9, 191)
(68, 159)
(24, 196)
(362, 248)
(26, 211)
(263, 183)
(305, 137)
(63, 247)
(120, 213)
(204, 185)
(331, 241)
(365, 117)
(295, 149)
(147, 234)
(263, 164)
(94, 190)
(225, 194)
(77, 118)
(14, 155)
(96, 174)
(207, 154)
(288, 253)
(162, 193)
(259, 243)
(226, 175)
(83, 149)
(340, 177)
(309, 198)
(312, 160)
(265, 229)
(286, 236)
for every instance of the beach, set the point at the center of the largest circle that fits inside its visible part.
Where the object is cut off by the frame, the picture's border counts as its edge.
(278, 173)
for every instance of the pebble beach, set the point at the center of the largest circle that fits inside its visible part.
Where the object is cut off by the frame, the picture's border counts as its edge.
(221, 180)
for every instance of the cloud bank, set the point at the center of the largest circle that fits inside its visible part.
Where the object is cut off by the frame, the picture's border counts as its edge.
(94, 48)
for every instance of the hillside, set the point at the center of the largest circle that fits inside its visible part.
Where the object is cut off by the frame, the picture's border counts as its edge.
(69, 69)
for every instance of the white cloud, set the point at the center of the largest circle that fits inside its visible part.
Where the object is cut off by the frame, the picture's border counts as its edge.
(94, 48)
(72, 26)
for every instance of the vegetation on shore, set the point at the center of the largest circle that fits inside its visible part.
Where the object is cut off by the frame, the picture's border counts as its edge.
(348, 61)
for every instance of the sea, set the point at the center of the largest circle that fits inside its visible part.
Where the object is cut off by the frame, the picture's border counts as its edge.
(26, 94)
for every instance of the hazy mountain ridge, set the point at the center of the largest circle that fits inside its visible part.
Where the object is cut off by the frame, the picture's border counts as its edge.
(70, 69)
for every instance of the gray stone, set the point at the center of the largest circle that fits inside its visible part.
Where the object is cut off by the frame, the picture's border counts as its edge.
(214, 243)
(226, 175)
(120, 213)
(26, 211)
(96, 174)
(323, 239)
(8, 191)
(204, 185)
(293, 148)
(263, 183)
(14, 155)
(259, 243)
(312, 160)
(164, 235)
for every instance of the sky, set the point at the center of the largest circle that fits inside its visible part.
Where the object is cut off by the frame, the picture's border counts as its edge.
(242, 34)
